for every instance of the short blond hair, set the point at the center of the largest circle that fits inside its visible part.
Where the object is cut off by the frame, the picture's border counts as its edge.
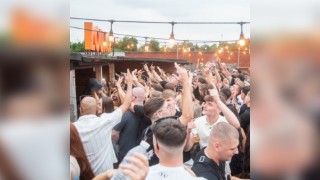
(224, 132)
(168, 93)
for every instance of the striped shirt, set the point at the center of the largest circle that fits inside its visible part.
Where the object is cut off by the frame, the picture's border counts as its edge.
(95, 133)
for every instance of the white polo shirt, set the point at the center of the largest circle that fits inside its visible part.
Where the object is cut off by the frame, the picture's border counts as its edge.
(204, 128)
(159, 172)
(95, 133)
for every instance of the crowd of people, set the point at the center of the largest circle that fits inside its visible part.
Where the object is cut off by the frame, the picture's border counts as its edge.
(197, 124)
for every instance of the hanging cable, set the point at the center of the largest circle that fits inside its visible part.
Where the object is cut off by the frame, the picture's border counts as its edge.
(158, 38)
(154, 22)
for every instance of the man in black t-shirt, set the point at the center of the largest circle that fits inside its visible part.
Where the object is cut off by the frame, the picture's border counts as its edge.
(245, 116)
(128, 131)
(223, 144)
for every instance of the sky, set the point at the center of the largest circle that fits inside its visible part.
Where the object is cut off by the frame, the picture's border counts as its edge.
(164, 10)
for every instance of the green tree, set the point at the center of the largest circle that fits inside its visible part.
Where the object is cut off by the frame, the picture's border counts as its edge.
(77, 46)
(127, 44)
(151, 46)
(154, 45)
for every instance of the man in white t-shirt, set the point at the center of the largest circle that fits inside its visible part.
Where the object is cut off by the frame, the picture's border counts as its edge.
(95, 132)
(212, 108)
(169, 140)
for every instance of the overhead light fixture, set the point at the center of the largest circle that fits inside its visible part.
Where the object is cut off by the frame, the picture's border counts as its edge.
(111, 37)
(172, 39)
(241, 41)
(146, 47)
(104, 40)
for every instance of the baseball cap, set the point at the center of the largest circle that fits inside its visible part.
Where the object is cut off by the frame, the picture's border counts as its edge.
(240, 76)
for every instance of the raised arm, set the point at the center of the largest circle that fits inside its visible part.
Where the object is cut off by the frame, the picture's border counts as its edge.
(217, 74)
(148, 71)
(154, 73)
(187, 109)
(135, 79)
(208, 76)
(121, 93)
(226, 73)
(228, 114)
(125, 105)
(162, 74)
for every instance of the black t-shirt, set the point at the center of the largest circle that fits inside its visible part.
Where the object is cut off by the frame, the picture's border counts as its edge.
(243, 109)
(145, 121)
(147, 136)
(130, 132)
(245, 120)
(207, 168)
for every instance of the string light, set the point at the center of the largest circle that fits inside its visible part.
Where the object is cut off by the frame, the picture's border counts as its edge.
(172, 39)
(146, 47)
(242, 39)
(111, 37)
(157, 38)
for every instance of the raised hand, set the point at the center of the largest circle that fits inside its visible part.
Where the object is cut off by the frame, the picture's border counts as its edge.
(152, 67)
(140, 72)
(134, 71)
(146, 68)
(134, 77)
(128, 77)
(182, 72)
(118, 83)
(208, 75)
(214, 93)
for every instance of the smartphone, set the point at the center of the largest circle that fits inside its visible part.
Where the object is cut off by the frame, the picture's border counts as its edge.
(212, 66)
(179, 88)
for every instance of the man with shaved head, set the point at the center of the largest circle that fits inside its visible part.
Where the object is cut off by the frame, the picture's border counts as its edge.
(222, 145)
(127, 133)
(88, 105)
(95, 132)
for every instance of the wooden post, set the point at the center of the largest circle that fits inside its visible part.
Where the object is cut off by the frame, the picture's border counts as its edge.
(111, 71)
(73, 97)
(98, 73)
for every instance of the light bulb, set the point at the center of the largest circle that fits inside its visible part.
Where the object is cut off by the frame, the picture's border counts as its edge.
(111, 38)
(241, 42)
